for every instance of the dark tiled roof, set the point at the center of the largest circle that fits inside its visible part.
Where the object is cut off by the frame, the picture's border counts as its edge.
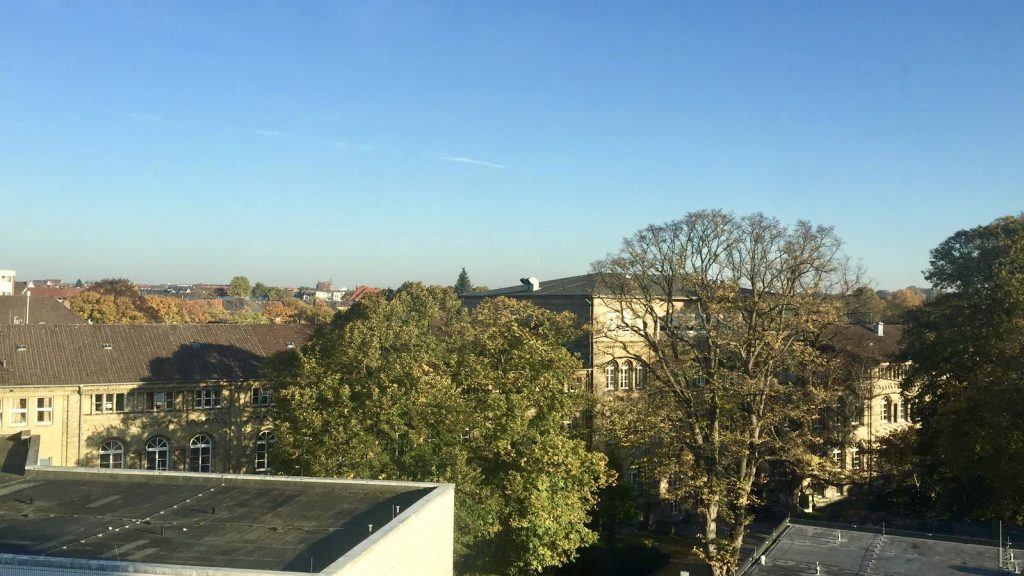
(864, 342)
(53, 292)
(42, 310)
(78, 354)
(583, 285)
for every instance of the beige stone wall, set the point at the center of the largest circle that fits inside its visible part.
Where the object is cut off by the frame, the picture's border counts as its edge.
(421, 543)
(76, 430)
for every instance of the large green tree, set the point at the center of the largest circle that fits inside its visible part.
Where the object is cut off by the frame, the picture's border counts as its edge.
(239, 287)
(724, 311)
(967, 374)
(413, 386)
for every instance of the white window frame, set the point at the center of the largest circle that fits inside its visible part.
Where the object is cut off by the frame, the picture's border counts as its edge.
(611, 375)
(625, 375)
(638, 376)
(856, 459)
(158, 453)
(19, 412)
(112, 454)
(200, 453)
(261, 397)
(886, 409)
(207, 398)
(108, 402)
(44, 410)
(263, 442)
(165, 404)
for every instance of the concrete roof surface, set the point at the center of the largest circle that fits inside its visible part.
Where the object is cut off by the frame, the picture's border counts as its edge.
(797, 551)
(226, 521)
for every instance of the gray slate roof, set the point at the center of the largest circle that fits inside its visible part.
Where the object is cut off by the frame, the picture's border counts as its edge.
(42, 310)
(77, 354)
(583, 285)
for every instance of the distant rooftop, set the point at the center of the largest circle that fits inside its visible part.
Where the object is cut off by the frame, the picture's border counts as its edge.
(583, 285)
(198, 520)
(807, 549)
(117, 353)
(40, 309)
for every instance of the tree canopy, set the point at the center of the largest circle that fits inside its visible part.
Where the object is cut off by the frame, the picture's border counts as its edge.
(239, 287)
(113, 301)
(727, 310)
(413, 386)
(967, 373)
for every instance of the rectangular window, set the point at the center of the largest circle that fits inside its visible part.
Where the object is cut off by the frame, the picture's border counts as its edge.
(19, 411)
(44, 410)
(205, 398)
(634, 478)
(159, 401)
(856, 459)
(261, 397)
(837, 457)
(108, 403)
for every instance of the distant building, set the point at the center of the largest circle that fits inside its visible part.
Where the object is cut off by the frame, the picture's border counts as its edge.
(93, 521)
(160, 397)
(6, 282)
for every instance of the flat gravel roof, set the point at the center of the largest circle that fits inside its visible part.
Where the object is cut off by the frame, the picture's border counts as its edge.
(851, 553)
(211, 520)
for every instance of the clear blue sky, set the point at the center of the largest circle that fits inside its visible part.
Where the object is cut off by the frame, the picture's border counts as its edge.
(378, 142)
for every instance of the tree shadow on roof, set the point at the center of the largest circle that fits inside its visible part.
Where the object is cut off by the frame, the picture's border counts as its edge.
(200, 361)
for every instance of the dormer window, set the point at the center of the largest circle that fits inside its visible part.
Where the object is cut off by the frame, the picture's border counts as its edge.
(20, 347)
(289, 345)
(107, 346)
(195, 345)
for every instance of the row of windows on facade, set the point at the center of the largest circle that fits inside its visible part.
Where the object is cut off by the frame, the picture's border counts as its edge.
(624, 376)
(198, 398)
(112, 402)
(200, 453)
(857, 460)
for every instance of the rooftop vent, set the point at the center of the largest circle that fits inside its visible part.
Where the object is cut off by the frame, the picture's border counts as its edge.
(532, 283)
(880, 329)
(108, 346)
(21, 347)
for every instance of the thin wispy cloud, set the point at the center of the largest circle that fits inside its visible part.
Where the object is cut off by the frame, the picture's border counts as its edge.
(473, 161)
(353, 145)
(146, 117)
(271, 133)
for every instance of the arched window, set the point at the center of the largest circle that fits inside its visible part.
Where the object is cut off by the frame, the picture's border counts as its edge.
(625, 375)
(200, 453)
(886, 409)
(904, 410)
(611, 372)
(638, 376)
(157, 450)
(112, 454)
(263, 441)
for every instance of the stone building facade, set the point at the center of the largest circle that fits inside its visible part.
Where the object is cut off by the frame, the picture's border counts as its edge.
(161, 397)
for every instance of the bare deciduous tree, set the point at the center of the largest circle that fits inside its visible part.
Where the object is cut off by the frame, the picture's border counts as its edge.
(726, 313)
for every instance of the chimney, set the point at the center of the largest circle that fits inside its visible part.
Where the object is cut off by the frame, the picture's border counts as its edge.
(879, 329)
(532, 283)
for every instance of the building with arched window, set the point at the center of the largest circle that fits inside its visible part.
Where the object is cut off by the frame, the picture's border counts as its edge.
(157, 397)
